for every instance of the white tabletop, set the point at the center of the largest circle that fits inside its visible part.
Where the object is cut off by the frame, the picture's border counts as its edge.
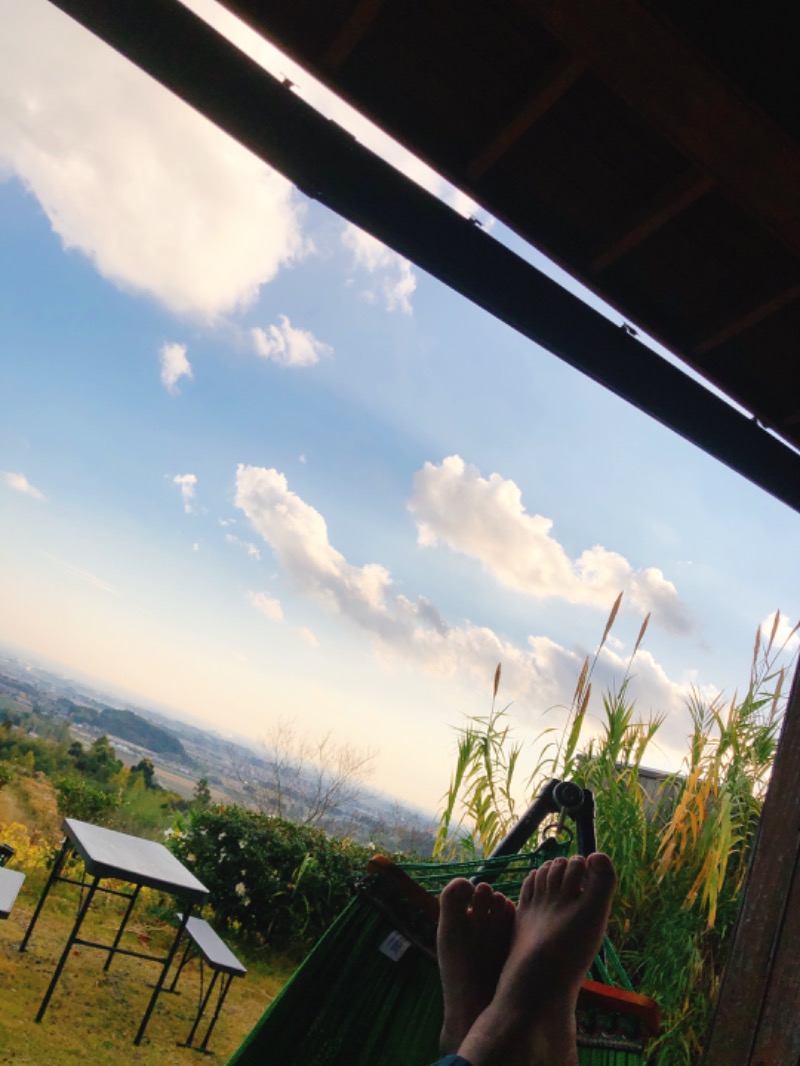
(107, 853)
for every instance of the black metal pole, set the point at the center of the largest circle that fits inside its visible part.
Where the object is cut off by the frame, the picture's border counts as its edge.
(68, 946)
(185, 916)
(55, 873)
(121, 930)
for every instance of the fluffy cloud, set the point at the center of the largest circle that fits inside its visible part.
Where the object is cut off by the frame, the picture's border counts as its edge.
(485, 519)
(186, 482)
(268, 606)
(538, 675)
(174, 366)
(394, 277)
(287, 345)
(157, 197)
(20, 483)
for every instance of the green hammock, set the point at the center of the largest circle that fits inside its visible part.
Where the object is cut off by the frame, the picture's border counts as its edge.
(369, 992)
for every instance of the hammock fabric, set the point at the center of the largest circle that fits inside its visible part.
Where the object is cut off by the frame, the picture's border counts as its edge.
(369, 992)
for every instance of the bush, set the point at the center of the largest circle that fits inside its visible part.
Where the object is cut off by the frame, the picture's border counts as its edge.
(280, 884)
(78, 797)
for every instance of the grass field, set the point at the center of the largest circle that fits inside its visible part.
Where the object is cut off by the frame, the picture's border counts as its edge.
(93, 1016)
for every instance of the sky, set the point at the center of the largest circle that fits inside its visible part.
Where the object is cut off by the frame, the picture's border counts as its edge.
(255, 466)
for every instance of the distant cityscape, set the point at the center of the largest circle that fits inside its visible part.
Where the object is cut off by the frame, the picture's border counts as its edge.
(181, 752)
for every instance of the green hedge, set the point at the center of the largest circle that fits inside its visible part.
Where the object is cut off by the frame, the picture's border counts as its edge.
(277, 883)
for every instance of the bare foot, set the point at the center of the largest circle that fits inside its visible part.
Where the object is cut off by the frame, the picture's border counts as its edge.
(560, 923)
(473, 940)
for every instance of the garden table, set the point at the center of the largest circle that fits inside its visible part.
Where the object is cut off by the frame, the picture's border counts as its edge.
(10, 884)
(109, 855)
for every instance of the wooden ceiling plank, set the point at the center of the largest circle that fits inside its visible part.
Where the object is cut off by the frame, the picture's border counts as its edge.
(667, 82)
(560, 79)
(665, 206)
(756, 314)
(343, 44)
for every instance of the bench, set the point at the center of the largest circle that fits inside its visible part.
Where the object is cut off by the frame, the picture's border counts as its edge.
(10, 884)
(204, 943)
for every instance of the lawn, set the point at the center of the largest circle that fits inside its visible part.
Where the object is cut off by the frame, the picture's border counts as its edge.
(93, 1016)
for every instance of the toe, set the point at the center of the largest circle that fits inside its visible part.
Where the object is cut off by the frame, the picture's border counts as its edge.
(482, 902)
(454, 901)
(502, 915)
(556, 876)
(540, 885)
(526, 893)
(601, 880)
(574, 876)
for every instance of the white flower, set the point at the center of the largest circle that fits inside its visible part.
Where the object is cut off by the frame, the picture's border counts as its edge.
(240, 889)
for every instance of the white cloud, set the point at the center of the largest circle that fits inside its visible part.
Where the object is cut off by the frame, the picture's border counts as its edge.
(484, 518)
(309, 637)
(186, 482)
(20, 483)
(287, 345)
(268, 606)
(538, 675)
(395, 278)
(174, 366)
(157, 197)
(245, 545)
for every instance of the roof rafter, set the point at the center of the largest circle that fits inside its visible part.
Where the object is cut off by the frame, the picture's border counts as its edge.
(756, 314)
(351, 33)
(665, 206)
(661, 76)
(559, 80)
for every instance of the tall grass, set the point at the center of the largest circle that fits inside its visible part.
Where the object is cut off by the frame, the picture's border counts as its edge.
(681, 854)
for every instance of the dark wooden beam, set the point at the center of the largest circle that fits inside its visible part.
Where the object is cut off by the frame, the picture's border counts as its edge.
(756, 314)
(755, 1023)
(325, 162)
(643, 59)
(649, 219)
(364, 14)
(556, 83)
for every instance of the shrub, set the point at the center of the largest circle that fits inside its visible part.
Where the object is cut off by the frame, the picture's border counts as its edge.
(32, 855)
(79, 797)
(278, 883)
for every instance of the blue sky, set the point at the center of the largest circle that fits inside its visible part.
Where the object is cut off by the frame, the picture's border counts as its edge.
(253, 465)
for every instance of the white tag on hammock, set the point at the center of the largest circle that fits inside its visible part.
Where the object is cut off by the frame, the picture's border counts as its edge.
(395, 946)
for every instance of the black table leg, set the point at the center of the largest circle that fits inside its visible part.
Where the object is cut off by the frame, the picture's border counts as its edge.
(73, 936)
(185, 916)
(201, 1011)
(54, 876)
(187, 955)
(121, 930)
(226, 984)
